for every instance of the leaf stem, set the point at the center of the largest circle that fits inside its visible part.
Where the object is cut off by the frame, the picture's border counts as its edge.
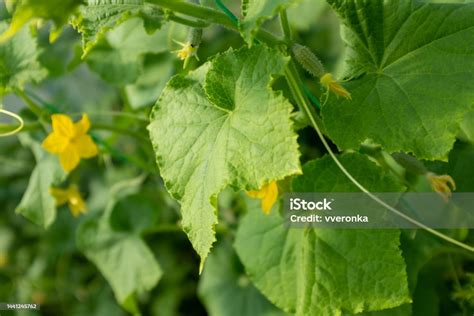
(285, 26)
(295, 82)
(8, 128)
(196, 11)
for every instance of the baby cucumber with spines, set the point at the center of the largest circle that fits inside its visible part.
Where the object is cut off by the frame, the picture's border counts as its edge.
(195, 37)
(308, 60)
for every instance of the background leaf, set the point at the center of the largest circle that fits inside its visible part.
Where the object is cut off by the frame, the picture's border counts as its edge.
(107, 240)
(226, 290)
(19, 61)
(37, 203)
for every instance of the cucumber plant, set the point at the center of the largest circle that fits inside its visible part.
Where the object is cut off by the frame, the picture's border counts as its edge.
(171, 130)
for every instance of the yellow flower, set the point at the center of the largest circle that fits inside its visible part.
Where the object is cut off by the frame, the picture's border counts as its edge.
(187, 50)
(72, 197)
(443, 184)
(70, 141)
(3, 259)
(268, 194)
(335, 87)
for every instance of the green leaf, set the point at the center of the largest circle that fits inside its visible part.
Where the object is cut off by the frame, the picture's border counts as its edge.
(18, 61)
(121, 255)
(255, 12)
(222, 126)
(37, 203)
(226, 290)
(58, 11)
(413, 70)
(119, 59)
(325, 271)
(100, 16)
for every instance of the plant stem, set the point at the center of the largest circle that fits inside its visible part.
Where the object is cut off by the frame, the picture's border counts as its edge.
(285, 26)
(4, 128)
(295, 82)
(35, 108)
(196, 11)
(212, 16)
(184, 21)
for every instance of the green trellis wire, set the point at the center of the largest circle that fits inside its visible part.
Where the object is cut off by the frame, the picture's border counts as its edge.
(226, 10)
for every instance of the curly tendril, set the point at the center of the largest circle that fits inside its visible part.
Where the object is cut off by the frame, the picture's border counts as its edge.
(16, 117)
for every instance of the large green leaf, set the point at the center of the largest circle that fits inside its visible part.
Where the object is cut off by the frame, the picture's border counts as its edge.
(325, 271)
(120, 58)
(99, 16)
(18, 61)
(37, 203)
(219, 126)
(226, 290)
(115, 246)
(413, 70)
(256, 12)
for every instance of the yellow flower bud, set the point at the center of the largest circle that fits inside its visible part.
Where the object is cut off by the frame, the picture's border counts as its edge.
(72, 197)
